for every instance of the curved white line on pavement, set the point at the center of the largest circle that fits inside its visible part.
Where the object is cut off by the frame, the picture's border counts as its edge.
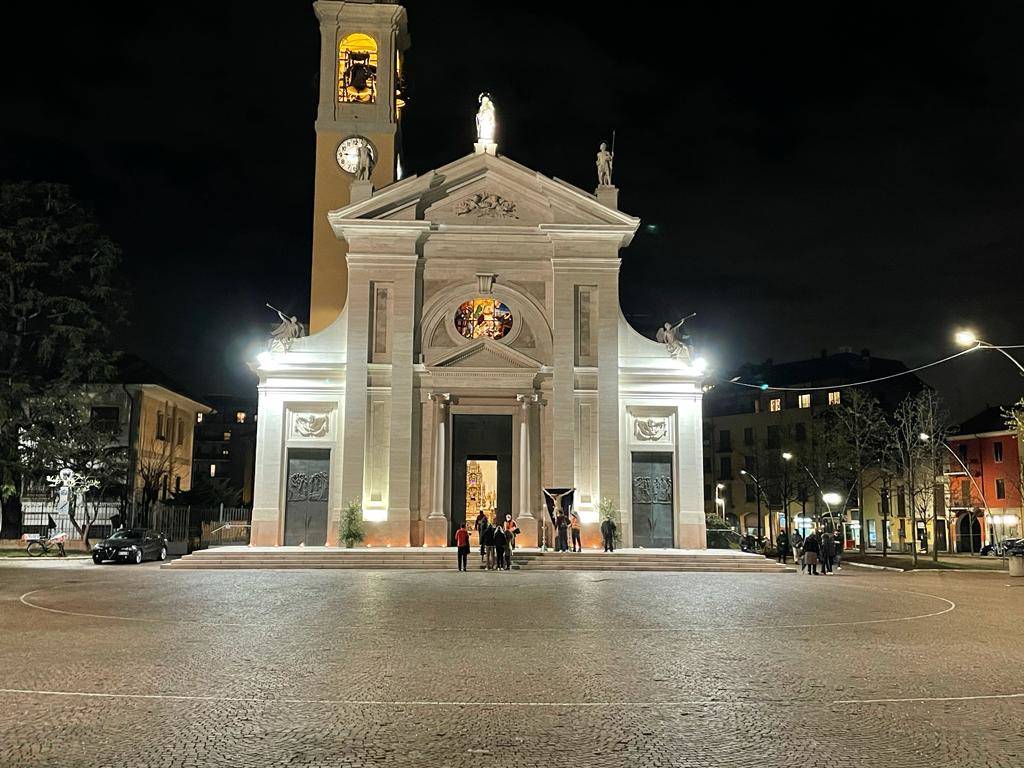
(927, 699)
(506, 704)
(950, 606)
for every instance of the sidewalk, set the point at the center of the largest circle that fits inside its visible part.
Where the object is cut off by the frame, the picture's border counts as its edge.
(946, 562)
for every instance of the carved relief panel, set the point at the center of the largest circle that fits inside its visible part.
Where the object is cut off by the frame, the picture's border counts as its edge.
(315, 421)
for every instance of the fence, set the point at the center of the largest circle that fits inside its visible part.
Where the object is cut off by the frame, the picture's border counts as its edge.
(186, 528)
(42, 517)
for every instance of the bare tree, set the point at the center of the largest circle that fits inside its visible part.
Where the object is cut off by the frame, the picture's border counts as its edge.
(863, 430)
(918, 437)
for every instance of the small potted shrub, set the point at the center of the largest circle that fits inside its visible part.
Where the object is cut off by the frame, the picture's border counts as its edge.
(352, 524)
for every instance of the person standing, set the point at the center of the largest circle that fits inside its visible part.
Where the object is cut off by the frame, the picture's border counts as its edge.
(798, 549)
(608, 534)
(500, 547)
(562, 526)
(812, 548)
(480, 525)
(828, 552)
(488, 539)
(574, 524)
(838, 542)
(462, 544)
(783, 546)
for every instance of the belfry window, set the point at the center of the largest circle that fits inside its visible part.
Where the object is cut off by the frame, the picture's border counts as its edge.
(357, 69)
(483, 318)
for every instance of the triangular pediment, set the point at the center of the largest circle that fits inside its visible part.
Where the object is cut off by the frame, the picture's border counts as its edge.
(485, 191)
(485, 353)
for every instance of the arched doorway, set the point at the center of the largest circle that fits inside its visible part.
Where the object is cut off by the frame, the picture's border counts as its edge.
(968, 533)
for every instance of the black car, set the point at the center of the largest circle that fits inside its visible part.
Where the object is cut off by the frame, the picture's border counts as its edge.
(1000, 549)
(131, 545)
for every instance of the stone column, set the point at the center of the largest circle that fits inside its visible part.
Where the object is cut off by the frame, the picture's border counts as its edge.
(436, 529)
(525, 518)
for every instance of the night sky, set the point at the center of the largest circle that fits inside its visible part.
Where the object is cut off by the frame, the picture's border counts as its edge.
(808, 177)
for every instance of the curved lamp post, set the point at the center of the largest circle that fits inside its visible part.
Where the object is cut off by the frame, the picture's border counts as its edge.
(968, 338)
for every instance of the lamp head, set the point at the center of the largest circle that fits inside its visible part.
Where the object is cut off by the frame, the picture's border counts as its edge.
(924, 437)
(831, 498)
(966, 338)
(787, 455)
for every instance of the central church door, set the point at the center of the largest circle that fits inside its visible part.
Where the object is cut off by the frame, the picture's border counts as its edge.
(476, 440)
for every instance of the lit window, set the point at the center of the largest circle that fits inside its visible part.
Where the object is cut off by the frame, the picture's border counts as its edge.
(225, 452)
(199, 418)
(997, 451)
(804, 401)
(833, 398)
(227, 436)
(240, 417)
(1000, 488)
(480, 318)
(775, 404)
(213, 470)
(357, 69)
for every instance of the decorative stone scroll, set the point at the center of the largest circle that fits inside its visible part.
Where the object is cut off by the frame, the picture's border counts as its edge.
(312, 424)
(650, 430)
(487, 205)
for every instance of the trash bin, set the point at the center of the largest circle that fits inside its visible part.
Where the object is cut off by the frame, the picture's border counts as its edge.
(1017, 565)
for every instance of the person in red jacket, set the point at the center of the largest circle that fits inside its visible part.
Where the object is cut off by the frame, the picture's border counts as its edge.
(462, 542)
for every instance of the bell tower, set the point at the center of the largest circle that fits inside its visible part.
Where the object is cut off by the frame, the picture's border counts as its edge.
(362, 43)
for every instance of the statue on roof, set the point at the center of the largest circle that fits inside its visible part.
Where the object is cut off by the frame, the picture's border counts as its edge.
(605, 159)
(486, 120)
(285, 333)
(675, 340)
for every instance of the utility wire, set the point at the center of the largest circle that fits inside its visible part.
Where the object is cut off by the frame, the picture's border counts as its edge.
(769, 388)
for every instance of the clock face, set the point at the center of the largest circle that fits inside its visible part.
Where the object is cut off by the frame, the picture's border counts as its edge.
(348, 153)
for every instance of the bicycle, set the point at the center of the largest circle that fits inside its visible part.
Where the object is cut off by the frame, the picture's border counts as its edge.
(40, 547)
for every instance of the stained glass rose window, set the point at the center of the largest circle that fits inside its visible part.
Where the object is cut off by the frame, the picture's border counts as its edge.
(479, 318)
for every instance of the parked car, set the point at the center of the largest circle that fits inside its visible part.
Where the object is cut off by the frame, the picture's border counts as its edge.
(131, 545)
(998, 550)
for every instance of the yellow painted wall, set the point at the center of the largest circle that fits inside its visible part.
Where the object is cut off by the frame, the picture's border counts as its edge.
(329, 278)
(149, 448)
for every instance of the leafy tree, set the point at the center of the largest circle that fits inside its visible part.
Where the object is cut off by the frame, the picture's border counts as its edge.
(62, 434)
(59, 299)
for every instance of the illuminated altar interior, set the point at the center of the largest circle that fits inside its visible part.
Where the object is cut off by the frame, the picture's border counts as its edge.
(481, 489)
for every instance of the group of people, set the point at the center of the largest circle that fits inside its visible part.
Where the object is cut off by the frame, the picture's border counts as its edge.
(498, 540)
(822, 548)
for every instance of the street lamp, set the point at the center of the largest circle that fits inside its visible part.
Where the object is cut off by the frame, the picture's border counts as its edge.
(968, 338)
(757, 488)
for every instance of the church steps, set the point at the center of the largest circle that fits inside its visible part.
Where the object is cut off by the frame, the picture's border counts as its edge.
(444, 559)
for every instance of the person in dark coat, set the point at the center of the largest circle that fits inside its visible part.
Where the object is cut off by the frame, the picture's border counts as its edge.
(812, 548)
(838, 541)
(488, 539)
(828, 553)
(500, 548)
(479, 526)
(782, 543)
(608, 534)
(562, 526)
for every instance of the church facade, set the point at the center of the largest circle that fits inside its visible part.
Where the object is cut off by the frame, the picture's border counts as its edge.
(481, 341)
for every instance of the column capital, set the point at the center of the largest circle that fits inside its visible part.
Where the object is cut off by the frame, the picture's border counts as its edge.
(533, 398)
(441, 398)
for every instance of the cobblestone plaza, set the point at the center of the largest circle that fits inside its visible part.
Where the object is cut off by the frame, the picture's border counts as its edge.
(138, 667)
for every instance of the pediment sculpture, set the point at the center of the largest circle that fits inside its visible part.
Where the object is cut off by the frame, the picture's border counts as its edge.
(487, 205)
